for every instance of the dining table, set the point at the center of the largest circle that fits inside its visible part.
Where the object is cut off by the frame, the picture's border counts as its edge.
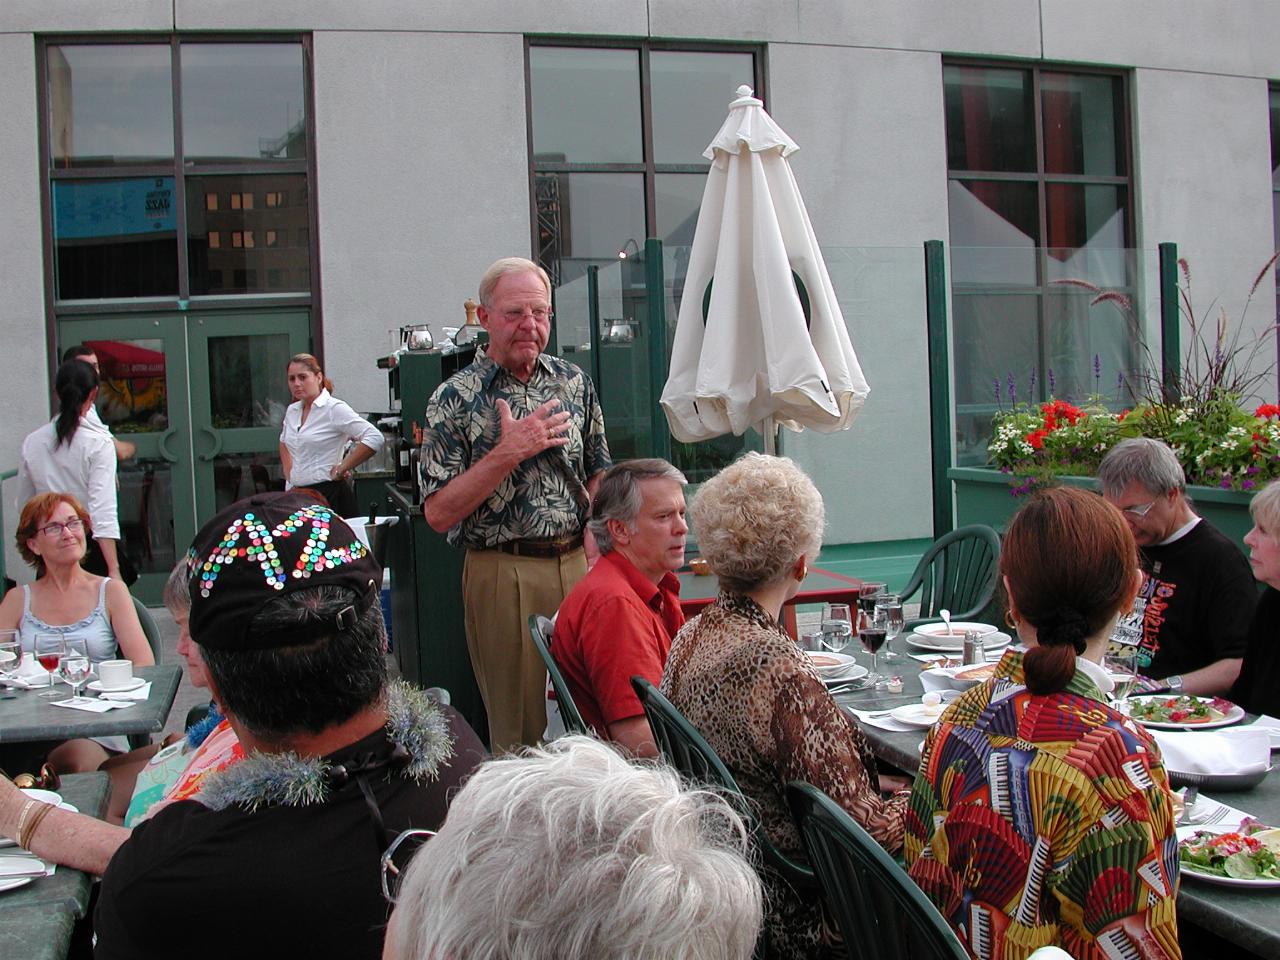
(1247, 919)
(25, 716)
(36, 920)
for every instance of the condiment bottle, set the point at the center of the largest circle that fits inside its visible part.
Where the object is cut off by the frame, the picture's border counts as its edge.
(973, 650)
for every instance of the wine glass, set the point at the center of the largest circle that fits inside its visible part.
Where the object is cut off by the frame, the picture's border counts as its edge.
(837, 627)
(872, 637)
(75, 666)
(888, 614)
(1121, 662)
(10, 654)
(47, 648)
(867, 594)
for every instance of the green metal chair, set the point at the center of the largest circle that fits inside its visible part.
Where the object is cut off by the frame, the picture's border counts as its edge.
(540, 631)
(684, 748)
(149, 628)
(880, 911)
(957, 573)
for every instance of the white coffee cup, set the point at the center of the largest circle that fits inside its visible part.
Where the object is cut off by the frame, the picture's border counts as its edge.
(115, 674)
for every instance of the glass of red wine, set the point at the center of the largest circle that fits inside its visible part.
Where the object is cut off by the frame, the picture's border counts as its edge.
(48, 648)
(867, 594)
(872, 636)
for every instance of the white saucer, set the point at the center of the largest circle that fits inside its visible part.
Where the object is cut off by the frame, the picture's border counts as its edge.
(855, 672)
(915, 715)
(133, 684)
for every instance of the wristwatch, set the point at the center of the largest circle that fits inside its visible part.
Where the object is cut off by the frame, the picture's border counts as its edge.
(1174, 683)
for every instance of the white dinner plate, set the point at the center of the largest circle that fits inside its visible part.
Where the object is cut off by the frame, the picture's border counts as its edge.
(1234, 715)
(1189, 870)
(855, 672)
(13, 883)
(938, 630)
(991, 641)
(133, 684)
(915, 715)
(47, 796)
(830, 664)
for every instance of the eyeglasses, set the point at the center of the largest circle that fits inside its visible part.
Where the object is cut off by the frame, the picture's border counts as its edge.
(396, 860)
(1141, 510)
(56, 529)
(516, 314)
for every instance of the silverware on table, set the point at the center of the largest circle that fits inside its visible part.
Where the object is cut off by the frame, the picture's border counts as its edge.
(1189, 798)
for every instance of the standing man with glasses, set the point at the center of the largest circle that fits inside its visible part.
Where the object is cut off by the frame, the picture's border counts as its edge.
(512, 449)
(1198, 595)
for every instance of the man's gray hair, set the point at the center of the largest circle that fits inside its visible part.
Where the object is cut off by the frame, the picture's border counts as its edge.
(1265, 509)
(177, 589)
(618, 497)
(508, 265)
(572, 851)
(1149, 463)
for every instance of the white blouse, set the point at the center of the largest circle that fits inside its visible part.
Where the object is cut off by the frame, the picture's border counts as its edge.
(84, 468)
(315, 447)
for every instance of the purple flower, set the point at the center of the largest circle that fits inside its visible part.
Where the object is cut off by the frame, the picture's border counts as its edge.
(996, 382)
(1052, 385)
(1247, 485)
(1225, 482)
(1031, 386)
(1013, 389)
(1250, 471)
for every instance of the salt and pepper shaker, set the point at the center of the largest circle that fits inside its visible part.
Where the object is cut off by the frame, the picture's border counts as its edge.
(973, 650)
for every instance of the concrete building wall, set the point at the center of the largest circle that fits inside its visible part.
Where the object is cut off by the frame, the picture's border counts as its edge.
(422, 181)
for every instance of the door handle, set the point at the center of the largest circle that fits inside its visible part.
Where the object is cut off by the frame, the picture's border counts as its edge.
(217, 444)
(163, 445)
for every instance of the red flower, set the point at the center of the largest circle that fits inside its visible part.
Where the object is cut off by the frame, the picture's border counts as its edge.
(1036, 439)
(1121, 415)
(1267, 410)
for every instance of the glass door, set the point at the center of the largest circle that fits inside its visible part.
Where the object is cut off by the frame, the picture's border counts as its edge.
(201, 397)
(239, 393)
(143, 399)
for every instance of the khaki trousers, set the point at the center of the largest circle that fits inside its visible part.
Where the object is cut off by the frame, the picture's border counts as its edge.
(499, 593)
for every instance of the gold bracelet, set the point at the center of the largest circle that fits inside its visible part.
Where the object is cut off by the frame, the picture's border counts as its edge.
(26, 808)
(36, 819)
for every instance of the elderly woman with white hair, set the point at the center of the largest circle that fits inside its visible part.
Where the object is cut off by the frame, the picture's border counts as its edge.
(1257, 689)
(571, 851)
(742, 681)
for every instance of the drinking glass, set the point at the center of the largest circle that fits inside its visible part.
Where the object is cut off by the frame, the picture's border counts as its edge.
(47, 648)
(872, 638)
(75, 666)
(1121, 661)
(837, 627)
(867, 594)
(888, 614)
(10, 654)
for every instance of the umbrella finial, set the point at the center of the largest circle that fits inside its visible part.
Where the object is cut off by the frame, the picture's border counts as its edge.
(744, 91)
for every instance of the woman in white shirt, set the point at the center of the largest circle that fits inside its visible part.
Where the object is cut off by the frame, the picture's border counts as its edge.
(75, 454)
(317, 428)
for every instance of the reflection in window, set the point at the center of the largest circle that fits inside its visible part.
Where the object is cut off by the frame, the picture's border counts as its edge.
(114, 238)
(243, 102)
(109, 104)
(211, 201)
(586, 104)
(247, 385)
(258, 238)
(132, 394)
(691, 91)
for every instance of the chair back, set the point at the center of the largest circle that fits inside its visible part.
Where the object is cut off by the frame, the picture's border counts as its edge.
(682, 746)
(149, 627)
(957, 573)
(540, 631)
(880, 911)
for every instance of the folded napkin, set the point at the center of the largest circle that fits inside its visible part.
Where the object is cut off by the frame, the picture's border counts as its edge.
(993, 656)
(884, 722)
(1272, 726)
(91, 706)
(29, 683)
(141, 693)
(1232, 751)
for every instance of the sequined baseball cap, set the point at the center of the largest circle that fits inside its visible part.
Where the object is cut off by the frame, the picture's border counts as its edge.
(269, 545)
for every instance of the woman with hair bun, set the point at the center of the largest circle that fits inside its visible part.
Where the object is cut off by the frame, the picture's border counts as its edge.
(314, 438)
(1040, 815)
(74, 454)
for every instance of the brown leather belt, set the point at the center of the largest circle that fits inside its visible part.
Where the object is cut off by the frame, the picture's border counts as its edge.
(542, 549)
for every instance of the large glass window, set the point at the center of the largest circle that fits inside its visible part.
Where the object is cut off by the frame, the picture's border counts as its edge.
(123, 200)
(1275, 183)
(1039, 201)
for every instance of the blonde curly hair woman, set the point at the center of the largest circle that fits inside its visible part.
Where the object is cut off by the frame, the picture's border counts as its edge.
(742, 681)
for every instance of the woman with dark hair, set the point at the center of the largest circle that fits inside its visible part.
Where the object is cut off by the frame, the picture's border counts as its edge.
(74, 454)
(322, 439)
(1040, 815)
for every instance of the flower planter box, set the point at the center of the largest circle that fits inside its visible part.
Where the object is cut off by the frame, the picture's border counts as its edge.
(983, 496)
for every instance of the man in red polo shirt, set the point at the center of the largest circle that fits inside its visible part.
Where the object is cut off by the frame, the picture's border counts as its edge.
(619, 619)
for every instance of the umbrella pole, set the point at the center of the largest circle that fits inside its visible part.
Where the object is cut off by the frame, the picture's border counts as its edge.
(770, 437)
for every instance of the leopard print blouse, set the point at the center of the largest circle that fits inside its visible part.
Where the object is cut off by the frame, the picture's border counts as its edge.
(745, 685)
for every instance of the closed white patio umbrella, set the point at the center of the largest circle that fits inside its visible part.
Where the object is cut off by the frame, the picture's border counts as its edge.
(753, 362)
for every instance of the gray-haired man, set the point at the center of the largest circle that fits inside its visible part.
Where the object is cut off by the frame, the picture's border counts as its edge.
(1198, 596)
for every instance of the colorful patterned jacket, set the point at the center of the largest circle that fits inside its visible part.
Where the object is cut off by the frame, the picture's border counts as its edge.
(1041, 820)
